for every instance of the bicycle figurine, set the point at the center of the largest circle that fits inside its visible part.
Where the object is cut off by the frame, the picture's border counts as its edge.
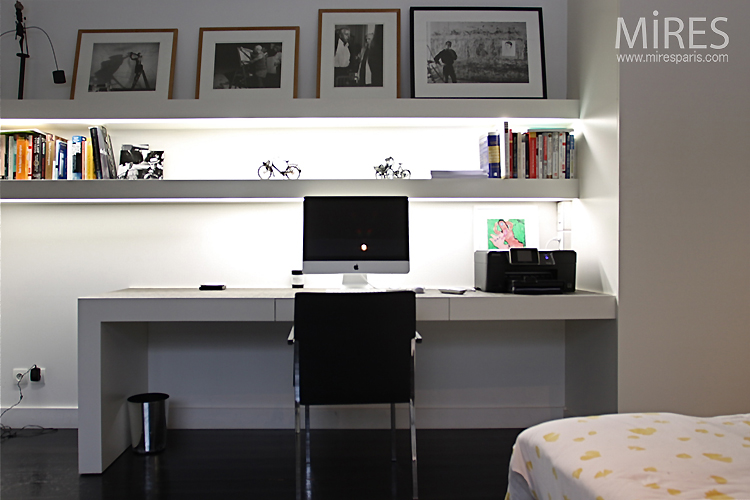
(268, 170)
(386, 171)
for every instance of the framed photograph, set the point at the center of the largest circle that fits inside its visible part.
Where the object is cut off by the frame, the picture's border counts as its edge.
(477, 52)
(246, 63)
(124, 65)
(359, 53)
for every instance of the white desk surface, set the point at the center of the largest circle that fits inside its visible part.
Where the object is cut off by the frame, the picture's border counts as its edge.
(431, 305)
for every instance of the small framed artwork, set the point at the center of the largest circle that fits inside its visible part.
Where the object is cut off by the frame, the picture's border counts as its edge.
(247, 63)
(501, 228)
(477, 52)
(124, 65)
(359, 53)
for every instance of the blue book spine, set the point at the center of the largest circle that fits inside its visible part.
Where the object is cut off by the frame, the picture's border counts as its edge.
(62, 160)
(493, 147)
(572, 145)
(76, 157)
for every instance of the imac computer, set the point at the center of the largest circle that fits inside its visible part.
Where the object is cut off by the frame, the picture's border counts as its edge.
(355, 236)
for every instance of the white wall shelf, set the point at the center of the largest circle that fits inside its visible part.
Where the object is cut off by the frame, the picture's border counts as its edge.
(39, 191)
(189, 114)
(200, 113)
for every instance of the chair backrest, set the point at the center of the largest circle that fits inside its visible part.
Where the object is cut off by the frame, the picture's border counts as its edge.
(354, 348)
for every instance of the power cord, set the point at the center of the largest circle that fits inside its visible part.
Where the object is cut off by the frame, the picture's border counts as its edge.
(7, 432)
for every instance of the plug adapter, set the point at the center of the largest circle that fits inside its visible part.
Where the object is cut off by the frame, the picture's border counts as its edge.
(35, 374)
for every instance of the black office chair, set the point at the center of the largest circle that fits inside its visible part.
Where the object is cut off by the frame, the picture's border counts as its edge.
(355, 348)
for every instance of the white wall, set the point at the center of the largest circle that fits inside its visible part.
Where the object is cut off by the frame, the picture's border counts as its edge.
(684, 184)
(63, 19)
(52, 254)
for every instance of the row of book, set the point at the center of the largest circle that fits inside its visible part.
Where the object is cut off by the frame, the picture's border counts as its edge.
(534, 154)
(34, 154)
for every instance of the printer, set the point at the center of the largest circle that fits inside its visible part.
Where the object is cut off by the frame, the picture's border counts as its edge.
(525, 271)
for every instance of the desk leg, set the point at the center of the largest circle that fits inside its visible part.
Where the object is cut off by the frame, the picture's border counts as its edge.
(112, 365)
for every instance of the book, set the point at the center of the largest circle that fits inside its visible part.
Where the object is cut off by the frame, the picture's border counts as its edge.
(24, 153)
(572, 148)
(88, 162)
(532, 155)
(75, 157)
(103, 155)
(511, 155)
(4, 156)
(49, 156)
(16, 153)
(10, 153)
(61, 163)
(484, 154)
(493, 142)
(504, 162)
(96, 154)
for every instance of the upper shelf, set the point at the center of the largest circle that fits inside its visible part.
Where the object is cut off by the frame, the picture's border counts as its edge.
(155, 191)
(372, 112)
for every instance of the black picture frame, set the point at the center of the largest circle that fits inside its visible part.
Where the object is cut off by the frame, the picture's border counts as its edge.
(497, 52)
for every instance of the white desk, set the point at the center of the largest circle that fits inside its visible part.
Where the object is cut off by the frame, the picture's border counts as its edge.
(113, 340)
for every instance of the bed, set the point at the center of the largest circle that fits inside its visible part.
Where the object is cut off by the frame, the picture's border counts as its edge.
(634, 456)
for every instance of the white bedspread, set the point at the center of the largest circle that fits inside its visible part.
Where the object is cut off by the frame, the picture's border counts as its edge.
(633, 457)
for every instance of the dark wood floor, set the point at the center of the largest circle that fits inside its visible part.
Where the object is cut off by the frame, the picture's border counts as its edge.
(244, 464)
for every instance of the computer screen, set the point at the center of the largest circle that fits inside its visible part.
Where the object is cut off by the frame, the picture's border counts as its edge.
(355, 235)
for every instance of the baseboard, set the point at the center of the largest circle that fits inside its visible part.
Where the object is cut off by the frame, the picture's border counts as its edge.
(324, 417)
(55, 418)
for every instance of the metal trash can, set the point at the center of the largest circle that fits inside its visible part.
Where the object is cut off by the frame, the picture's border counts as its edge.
(148, 422)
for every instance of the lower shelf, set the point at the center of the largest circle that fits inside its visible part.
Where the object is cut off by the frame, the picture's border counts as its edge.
(157, 191)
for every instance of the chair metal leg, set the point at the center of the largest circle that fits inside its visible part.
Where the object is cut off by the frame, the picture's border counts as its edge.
(298, 459)
(412, 425)
(296, 390)
(296, 417)
(393, 432)
(307, 435)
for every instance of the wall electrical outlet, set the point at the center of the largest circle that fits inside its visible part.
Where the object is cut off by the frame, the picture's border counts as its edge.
(18, 372)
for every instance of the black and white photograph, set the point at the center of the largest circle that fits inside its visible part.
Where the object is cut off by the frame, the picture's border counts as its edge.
(490, 53)
(124, 67)
(247, 66)
(252, 63)
(131, 65)
(473, 52)
(358, 53)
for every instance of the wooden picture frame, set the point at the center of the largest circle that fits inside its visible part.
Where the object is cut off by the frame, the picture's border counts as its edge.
(246, 63)
(124, 65)
(498, 52)
(370, 41)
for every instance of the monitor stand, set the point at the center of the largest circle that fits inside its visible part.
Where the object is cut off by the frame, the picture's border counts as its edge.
(358, 281)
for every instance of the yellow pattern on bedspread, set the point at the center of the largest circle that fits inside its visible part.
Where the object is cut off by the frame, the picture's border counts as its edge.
(644, 456)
